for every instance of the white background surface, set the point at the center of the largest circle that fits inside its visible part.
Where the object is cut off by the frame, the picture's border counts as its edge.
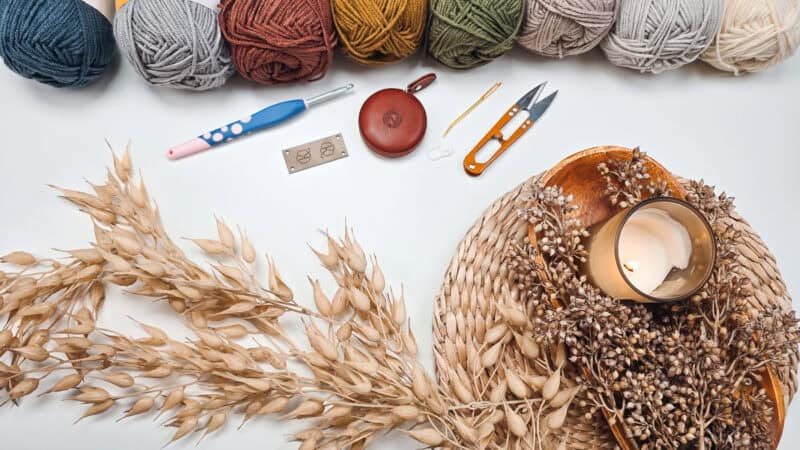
(741, 134)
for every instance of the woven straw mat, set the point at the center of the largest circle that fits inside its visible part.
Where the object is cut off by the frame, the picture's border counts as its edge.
(477, 279)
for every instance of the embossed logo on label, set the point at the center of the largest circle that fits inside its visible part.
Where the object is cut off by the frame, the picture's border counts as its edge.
(304, 156)
(392, 119)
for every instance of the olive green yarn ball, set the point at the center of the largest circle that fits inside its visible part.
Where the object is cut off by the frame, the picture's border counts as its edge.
(468, 33)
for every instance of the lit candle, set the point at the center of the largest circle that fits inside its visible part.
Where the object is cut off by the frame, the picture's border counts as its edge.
(660, 250)
(651, 245)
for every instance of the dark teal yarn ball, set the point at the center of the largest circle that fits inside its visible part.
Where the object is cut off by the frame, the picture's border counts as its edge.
(63, 43)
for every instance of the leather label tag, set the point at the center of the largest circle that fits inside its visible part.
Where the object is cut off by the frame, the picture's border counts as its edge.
(314, 153)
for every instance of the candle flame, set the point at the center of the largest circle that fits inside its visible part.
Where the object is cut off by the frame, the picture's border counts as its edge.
(631, 266)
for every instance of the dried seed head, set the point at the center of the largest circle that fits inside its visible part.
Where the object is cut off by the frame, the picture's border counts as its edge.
(210, 246)
(234, 331)
(377, 282)
(215, 423)
(527, 346)
(427, 436)
(399, 311)
(32, 352)
(120, 379)
(67, 382)
(23, 388)
(141, 406)
(340, 301)
(248, 251)
(344, 332)
(495, 334)
(308, 408)
(406, 412)
(19, 258)
(320, 343)
(467, 432)
(563, 397)
(173, 399)
(516, 385)
(225, 235)
(419, 383)
(187, 425)
(490, 357)
(97, 408)
(550, 388)
(410, 342)
(275, 405)
(320, 299)
(5, 336)
(276, 284)
(91, 394)
(516, 424)
(359, 300)
(555, 419)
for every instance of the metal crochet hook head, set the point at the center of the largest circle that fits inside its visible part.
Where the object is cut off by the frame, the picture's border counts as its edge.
(325, 96)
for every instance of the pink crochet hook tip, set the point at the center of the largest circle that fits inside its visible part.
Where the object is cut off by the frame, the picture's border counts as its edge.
(190, 147)
(267, 117)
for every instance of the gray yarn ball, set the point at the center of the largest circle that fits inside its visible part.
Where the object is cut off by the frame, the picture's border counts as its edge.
(174, 43)
(559, 28)
(658, 35)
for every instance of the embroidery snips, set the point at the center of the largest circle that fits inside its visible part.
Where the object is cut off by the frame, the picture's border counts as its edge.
(529, 103)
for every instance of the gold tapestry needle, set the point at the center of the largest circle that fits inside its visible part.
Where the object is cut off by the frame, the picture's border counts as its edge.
(477, 103)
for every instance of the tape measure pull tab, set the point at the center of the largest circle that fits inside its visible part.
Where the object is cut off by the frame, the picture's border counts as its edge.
(421, 83)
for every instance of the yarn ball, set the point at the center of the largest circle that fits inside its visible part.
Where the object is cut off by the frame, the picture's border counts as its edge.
(755, 35)
(559, 28)
(63, 43)
(279, 41)
(658, 35)
(467, 33)
(174, 43)
(376, 32)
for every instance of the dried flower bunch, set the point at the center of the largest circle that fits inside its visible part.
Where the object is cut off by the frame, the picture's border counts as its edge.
(683, 375)
(361, 354)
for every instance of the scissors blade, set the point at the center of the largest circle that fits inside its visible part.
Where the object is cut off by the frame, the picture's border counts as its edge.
(539, 108)
(530, 98)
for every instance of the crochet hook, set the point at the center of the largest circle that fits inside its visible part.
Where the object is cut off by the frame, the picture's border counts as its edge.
(266, 118)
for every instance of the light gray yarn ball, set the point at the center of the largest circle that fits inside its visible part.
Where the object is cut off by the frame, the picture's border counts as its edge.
(174, 43)
(658, 35)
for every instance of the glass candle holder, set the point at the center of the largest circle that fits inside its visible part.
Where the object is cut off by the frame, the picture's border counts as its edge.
(659, 251)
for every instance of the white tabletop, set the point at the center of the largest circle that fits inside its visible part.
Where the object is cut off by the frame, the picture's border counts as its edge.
(741, 134)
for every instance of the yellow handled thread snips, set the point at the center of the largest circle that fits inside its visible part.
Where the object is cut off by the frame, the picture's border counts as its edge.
(528, 103)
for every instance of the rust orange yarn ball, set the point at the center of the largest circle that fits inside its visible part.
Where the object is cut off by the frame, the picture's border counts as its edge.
(375, 32)
(279, 41)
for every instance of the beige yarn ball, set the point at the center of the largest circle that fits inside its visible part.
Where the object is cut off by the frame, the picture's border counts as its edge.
(559, 28)
(755, 35)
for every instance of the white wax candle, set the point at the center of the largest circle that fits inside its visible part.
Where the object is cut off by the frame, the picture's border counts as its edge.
(651, 244)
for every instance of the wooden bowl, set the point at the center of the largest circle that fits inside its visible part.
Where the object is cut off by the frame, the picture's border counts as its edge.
(577, 175)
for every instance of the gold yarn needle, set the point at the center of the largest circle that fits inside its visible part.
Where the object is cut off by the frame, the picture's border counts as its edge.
(469, 110)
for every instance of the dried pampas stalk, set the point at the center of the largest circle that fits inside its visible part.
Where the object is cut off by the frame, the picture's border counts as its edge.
(361, 353)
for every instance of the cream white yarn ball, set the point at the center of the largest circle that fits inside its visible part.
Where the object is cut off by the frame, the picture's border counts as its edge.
(755, 35)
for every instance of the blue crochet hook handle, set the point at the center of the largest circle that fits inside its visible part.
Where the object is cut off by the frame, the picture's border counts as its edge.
(266, 118)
